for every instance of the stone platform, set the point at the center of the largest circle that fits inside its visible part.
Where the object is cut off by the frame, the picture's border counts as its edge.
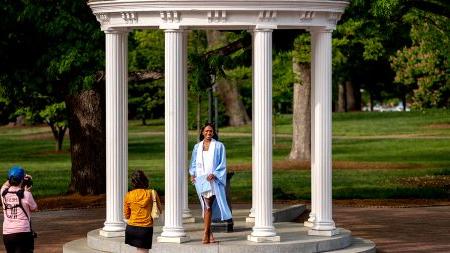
(294, 238)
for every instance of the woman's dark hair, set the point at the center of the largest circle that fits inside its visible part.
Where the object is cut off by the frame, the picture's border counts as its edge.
(139, 180)
(215, 136)
(14, 181)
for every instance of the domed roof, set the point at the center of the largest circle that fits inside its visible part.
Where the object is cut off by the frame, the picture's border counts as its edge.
(232, 14)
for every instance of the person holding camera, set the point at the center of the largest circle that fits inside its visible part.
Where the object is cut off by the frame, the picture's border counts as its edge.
(17, 203)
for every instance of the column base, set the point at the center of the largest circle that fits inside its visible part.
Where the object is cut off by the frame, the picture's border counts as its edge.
(113, 229)
(164, 239)
(173, 232)
(323, 232)
(189, 220)
(250, 219)
(263, 238)
(110, 234)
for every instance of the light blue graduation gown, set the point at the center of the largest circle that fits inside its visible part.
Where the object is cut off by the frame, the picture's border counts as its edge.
(220, 209)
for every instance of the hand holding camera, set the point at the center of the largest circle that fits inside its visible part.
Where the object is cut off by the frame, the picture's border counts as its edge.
(27, 182)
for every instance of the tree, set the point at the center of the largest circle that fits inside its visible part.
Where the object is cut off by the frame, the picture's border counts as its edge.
(147, 102)
(228, 88)
(399, 8)
(229, 91)
(146, 54)
(301, 115)
(55, 116)
(362, 45)
(424, 67)
(55, 50)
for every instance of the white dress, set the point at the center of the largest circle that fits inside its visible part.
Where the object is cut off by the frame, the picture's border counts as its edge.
(205, 164)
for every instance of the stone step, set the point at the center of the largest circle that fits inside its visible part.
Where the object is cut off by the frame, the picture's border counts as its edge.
(359, 245)
(78, 246)
(294, 238)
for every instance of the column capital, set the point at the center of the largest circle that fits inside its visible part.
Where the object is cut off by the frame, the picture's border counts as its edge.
(321, 29)
(265, 28)
(171, 27)
(116, 30)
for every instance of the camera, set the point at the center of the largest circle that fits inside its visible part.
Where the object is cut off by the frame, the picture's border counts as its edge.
(27, 182)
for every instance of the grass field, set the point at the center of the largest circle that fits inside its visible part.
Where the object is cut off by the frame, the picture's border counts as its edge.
(376, 155)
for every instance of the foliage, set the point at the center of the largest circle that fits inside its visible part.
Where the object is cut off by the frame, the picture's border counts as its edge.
(283, 80)
(146, 101)
(362, 46)
(146, 50)
(55, 114)
(302, 48)
(242, 77)
(30, 116)
(61, 43)
(200, 73)
(425, 66)
(391, 8)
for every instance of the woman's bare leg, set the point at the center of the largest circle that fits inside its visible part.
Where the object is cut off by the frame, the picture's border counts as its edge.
(207, 236)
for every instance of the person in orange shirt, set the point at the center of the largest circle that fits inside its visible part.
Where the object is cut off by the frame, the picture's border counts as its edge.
(137, 209)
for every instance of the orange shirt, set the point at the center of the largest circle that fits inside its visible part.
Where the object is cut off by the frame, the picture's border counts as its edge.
(137, 207)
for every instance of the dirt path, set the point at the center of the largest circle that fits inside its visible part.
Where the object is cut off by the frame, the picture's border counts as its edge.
(417, 229)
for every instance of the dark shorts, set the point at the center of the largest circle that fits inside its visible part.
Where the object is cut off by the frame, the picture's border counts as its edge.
(139, 237)
(19, 242)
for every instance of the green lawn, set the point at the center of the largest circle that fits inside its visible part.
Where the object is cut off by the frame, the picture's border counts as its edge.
(418, 142)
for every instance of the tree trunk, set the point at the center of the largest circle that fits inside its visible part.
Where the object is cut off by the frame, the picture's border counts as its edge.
(199, 111)
(228, 91)
(61, 133)
(234, 107)
(301, 116)
(353, 95)
(342, 99)
(404, 102)
(87, 141)
(58, 135)
(371, 102)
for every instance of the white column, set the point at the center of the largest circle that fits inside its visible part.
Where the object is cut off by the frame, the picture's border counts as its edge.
(323, 223)
(173, 230)
(263, 229)
(187, 215)
(251, 215)
(116, 130)
(314, 184)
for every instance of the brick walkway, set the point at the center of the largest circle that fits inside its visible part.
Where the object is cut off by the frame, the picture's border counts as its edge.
(418, 229)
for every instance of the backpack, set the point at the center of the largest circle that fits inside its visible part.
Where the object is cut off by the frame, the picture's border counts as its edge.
(12, 213)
